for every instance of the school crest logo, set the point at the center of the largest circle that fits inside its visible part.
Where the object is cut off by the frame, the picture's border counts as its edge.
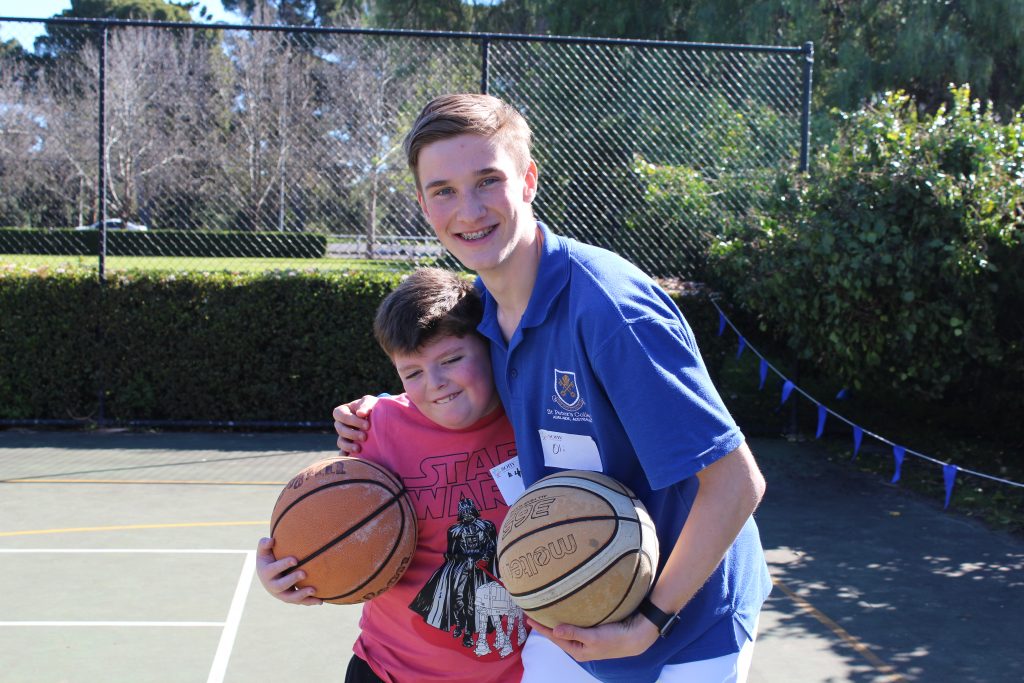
(567, 393)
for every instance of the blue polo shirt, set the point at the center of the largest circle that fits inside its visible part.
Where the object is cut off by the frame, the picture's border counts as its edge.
(603, 373)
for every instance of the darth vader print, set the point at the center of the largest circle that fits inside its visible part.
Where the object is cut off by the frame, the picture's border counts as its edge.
(463, 597)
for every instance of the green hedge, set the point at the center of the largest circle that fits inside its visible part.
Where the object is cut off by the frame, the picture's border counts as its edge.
(195, 243)
(189, 346)
(203, 346)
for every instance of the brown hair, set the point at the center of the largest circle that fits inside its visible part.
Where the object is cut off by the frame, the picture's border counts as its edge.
(429, 303)
(450, 115)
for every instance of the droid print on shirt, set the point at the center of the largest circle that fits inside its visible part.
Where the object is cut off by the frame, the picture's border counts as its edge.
(462, 598)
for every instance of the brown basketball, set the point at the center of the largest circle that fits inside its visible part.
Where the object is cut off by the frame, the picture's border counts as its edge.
(577, 548)
(350, 525)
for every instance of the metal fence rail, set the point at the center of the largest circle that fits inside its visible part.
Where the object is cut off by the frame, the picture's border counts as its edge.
(227, 142)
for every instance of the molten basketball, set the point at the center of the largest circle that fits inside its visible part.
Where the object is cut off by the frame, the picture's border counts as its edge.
(577, 548)
(350, 525)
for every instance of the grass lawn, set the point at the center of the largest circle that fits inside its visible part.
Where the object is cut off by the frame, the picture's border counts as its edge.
(209, 264)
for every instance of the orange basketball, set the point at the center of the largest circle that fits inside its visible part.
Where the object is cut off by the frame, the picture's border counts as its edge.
(350, 525)
(577, 548)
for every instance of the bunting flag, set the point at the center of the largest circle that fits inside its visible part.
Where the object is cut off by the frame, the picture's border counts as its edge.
(897, 453)
(949, 477)
(787, 389)
(949, 471)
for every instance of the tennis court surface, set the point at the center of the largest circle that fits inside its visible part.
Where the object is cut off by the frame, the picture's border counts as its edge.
(129, 556)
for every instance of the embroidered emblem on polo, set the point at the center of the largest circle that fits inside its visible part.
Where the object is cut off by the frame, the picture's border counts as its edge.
(567, 393)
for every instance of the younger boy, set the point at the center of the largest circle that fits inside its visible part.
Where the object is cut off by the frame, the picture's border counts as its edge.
(447, 619)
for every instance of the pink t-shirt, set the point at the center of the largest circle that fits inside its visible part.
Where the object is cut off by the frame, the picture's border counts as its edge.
(447, 619)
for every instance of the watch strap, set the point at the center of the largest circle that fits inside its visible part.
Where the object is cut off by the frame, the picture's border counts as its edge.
(662, 620)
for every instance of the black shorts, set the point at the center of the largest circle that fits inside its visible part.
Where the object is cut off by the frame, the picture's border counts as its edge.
(360, 672)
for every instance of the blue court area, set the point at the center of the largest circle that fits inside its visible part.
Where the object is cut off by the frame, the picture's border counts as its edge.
(129, 556)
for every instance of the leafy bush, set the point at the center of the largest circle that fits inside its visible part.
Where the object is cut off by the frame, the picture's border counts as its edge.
(897, 263)
(667, 233)
(281, 346)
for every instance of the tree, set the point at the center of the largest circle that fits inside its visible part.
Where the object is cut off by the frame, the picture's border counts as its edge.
(272, 92)
(302, 12)
(61, 38)
(862, 47)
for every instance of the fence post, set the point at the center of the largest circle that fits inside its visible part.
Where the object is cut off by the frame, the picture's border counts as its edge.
(101, 183)
(805, 114)
(485, 65)
(101, 142)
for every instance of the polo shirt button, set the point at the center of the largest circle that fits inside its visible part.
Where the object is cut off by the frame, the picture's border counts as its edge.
(514, 373)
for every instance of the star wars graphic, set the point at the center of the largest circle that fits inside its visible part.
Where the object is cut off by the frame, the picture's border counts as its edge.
(462, 598)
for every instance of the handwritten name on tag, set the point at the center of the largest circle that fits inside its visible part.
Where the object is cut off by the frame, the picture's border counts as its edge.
(570, 451)
(509, 479)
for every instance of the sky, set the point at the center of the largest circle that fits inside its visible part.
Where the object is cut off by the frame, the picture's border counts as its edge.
(26, 33)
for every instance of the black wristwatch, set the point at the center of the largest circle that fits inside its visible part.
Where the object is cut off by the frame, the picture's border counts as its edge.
(661, 620)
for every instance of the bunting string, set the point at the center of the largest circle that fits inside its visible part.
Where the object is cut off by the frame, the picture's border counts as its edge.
(949, 470)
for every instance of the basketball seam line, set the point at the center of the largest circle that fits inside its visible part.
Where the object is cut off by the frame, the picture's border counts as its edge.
(343, 482)
(380, 568)
(612, 485)
(589, 581)
(573, 520)
(352, 529)
(627, 592)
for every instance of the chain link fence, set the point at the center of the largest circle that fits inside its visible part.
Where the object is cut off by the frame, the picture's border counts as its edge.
(133, 144)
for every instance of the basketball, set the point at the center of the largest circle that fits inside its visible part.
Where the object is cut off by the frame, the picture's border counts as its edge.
(577, 548)
(350, 525)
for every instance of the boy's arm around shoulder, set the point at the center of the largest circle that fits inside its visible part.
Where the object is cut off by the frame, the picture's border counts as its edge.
(730, 490)
(351, 422)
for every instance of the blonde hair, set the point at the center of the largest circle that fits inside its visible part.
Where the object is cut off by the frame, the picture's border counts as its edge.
(448, 116)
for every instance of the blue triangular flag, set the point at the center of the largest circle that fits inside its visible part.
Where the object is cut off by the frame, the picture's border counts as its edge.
(822, 412)
(787, 389)
(843, 394)
(764, 373)
(897, 452)
(743, 345)
(949, 476)
(721, 323)
(858, 436)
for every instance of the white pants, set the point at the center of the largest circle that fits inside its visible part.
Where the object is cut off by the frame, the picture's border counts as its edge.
(545, 662)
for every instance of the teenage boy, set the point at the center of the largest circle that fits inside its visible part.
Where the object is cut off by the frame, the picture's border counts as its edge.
(598, 370)
(446, 619)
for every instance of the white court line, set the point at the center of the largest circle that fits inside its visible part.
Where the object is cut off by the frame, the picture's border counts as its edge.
(219, 624)
(177, 551)
(230, 626)
(227, 636)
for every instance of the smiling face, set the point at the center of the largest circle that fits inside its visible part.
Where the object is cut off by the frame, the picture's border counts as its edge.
(449, 379)
(478, 200)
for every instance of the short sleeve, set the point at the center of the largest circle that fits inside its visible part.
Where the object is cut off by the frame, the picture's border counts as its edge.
(655, 378)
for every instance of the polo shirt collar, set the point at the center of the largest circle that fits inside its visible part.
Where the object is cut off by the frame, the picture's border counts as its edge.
(552, 278)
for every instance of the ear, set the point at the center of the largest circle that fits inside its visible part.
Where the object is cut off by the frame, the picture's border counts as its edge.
(423, 204)
(530, 182)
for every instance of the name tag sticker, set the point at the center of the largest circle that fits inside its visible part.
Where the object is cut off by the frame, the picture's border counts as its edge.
(570, 451)
(509, 479)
